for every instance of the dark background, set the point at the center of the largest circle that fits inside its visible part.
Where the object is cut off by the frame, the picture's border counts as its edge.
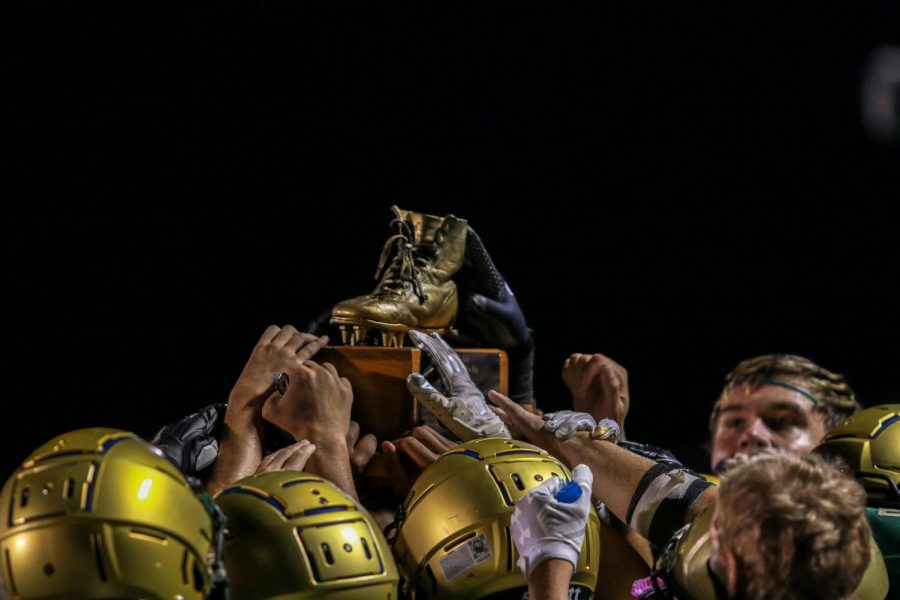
(679, 187)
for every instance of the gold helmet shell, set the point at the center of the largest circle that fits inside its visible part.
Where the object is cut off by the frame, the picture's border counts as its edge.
(100, 513)
(295, 535)
(683, 564)
(453, 539)
(868, 442)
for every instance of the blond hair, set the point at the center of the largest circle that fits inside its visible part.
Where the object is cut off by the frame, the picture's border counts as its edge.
(833, 395)
(796, 525)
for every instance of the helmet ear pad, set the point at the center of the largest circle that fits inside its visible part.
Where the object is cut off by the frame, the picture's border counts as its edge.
(453, 539)
(100, 512)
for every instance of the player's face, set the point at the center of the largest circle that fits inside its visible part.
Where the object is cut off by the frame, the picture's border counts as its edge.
(769, 416)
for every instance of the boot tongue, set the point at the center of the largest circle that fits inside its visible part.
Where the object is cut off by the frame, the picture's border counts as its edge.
(424, 227)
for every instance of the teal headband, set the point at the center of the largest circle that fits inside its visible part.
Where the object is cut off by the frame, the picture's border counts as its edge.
(796, 388)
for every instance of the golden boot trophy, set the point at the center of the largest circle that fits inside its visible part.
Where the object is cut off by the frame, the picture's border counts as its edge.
(415, 289)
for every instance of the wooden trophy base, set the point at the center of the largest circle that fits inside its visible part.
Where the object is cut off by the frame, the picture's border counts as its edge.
(382, 405)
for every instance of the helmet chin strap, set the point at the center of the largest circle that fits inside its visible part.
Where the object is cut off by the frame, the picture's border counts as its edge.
(216, 559)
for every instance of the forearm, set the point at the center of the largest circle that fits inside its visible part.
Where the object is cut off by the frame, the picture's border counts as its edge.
(332, 462)
(550, 580)
(619, 472)
(655, 499)
(240, 453)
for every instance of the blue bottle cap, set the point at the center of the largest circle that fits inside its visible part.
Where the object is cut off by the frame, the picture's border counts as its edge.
(570, 493)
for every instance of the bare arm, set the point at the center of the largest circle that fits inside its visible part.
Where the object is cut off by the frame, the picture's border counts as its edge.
(619, 472)
(550, 580)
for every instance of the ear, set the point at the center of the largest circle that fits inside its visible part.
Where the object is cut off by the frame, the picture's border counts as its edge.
(731, 573)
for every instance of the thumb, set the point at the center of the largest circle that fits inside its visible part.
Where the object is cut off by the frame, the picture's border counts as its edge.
(583, 476)
(366, 447)
(425, 393)
(363, 451)
(419, 386)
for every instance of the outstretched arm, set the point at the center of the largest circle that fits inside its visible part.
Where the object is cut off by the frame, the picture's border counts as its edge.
(632, 487)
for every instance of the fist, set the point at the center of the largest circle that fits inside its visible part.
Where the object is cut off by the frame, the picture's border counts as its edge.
(599, 386)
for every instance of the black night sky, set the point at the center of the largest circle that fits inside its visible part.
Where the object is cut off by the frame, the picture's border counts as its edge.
(679, 187)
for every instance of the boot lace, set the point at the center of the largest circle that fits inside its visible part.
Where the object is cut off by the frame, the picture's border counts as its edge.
(405, 269)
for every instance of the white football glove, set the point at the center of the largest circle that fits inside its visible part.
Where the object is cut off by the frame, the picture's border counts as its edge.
(543, 526)
(463, 409)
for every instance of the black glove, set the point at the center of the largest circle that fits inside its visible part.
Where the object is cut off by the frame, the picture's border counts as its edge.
(192, 442)
(490, 315)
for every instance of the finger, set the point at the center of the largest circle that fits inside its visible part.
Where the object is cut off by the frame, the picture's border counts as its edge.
(417, 452)
(298, 340)
(608, 360)
(611, 385)
(518, 417)
(363, 452)
(425, 393)
(504, 416)
(395, 470)
(439, 358)
(268, 460)
(417, 384)
(298, 372)
(503, 402)
(352, 434)
(458, 365)
(426, 344)
(583, 476)
(432, 439)
(299, 378)
(296, 461)
(331, 369)
(283, 336)
(312, 347)
(269, 334)
(275, 460)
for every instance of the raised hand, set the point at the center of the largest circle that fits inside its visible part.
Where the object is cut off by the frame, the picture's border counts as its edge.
(599, 386)
(460, 407)
(277, 348)
(316, 407)
(316, 404)
(241, 445)
(491, 316)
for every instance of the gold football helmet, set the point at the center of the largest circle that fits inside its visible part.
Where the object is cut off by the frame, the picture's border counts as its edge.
(100, 513)
(869, 444)
(293, 535)
(453, 539)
